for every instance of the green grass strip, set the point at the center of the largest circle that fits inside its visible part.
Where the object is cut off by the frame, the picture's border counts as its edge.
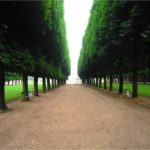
(143, 89)
(13, 92)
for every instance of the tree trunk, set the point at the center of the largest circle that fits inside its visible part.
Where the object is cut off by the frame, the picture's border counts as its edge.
(56, 83)
(91, 81)
(53, 83)
(60, 82)
(105, 82)
(25, 87)
(44, 84)
(111, 83)
(50, 81)
(96, 82)
(87, 81)
(2, 90)
(36, 86)
(135, 84)
(83, 81)
(48, 84)
(120, 83)
(100, 82)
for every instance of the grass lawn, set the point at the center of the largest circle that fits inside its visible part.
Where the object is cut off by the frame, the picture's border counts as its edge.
(144, 90)
(13, 92)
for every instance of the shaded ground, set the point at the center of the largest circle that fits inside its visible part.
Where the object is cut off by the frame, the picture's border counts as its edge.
(75, 117)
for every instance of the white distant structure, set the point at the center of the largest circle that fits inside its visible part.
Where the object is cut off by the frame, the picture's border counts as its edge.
(74, 80)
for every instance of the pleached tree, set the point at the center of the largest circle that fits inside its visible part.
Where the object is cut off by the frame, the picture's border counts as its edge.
(33, 37)
(116, 42)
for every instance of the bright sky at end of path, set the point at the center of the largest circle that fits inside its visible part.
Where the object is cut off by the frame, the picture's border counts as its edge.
(77, 14)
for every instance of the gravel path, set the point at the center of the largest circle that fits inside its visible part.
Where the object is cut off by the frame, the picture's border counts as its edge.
(75, 117)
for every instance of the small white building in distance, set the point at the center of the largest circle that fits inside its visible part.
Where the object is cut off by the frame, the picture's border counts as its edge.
(74, 80)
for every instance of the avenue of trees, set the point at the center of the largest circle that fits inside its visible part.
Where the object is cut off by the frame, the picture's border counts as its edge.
(33, 43)
(116, 44)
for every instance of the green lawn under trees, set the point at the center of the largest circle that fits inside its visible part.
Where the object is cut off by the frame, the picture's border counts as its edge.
(143, 89)
(13, 92)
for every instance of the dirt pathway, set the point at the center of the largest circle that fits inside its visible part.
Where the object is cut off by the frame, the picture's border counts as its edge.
(75, 117)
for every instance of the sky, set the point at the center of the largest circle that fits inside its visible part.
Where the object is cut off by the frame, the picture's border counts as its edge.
(77, 13)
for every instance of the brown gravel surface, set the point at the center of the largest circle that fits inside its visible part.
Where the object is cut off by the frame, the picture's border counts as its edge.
(75, 117)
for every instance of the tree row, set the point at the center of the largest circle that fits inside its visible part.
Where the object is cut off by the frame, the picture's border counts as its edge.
(33, 42)
(116, 43)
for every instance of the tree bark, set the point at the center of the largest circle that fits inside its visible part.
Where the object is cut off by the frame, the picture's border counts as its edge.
(111, 83)
(105, 82)
(44, 85)
(52, 83)
(96, 82)
(60, 82)
(48, 84)
(2, 90)
(135, 84)
(25, 87)
(56, 83)
(120, 83)
(93, 81)
(100, 82)
(36, 86)
(88, 81)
